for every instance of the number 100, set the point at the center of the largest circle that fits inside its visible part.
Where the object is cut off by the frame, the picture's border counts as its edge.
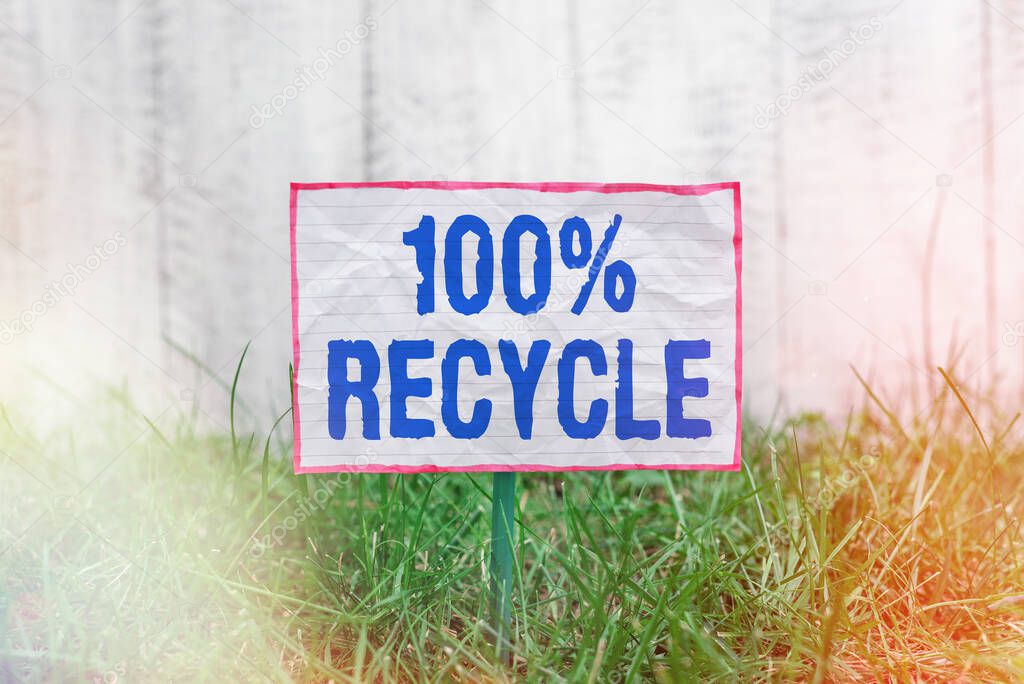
(422, 240)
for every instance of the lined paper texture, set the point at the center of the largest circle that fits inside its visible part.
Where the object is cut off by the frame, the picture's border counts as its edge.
(355, 279)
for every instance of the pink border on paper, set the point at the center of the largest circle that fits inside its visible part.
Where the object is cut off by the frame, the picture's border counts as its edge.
(609, 188)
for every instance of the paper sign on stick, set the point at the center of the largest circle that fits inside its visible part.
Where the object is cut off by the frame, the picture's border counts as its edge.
(441, 326)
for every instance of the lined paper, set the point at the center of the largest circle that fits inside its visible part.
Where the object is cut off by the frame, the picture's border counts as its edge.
(355, 279)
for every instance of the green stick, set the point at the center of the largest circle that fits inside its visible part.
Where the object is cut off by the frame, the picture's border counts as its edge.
(503, 505)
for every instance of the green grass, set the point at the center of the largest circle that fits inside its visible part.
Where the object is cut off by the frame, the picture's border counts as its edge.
(137, 548)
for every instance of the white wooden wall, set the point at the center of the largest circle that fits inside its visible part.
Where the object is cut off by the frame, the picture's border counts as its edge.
(110, 111)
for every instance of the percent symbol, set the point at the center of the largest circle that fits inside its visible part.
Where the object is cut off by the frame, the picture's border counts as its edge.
(616, 272)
